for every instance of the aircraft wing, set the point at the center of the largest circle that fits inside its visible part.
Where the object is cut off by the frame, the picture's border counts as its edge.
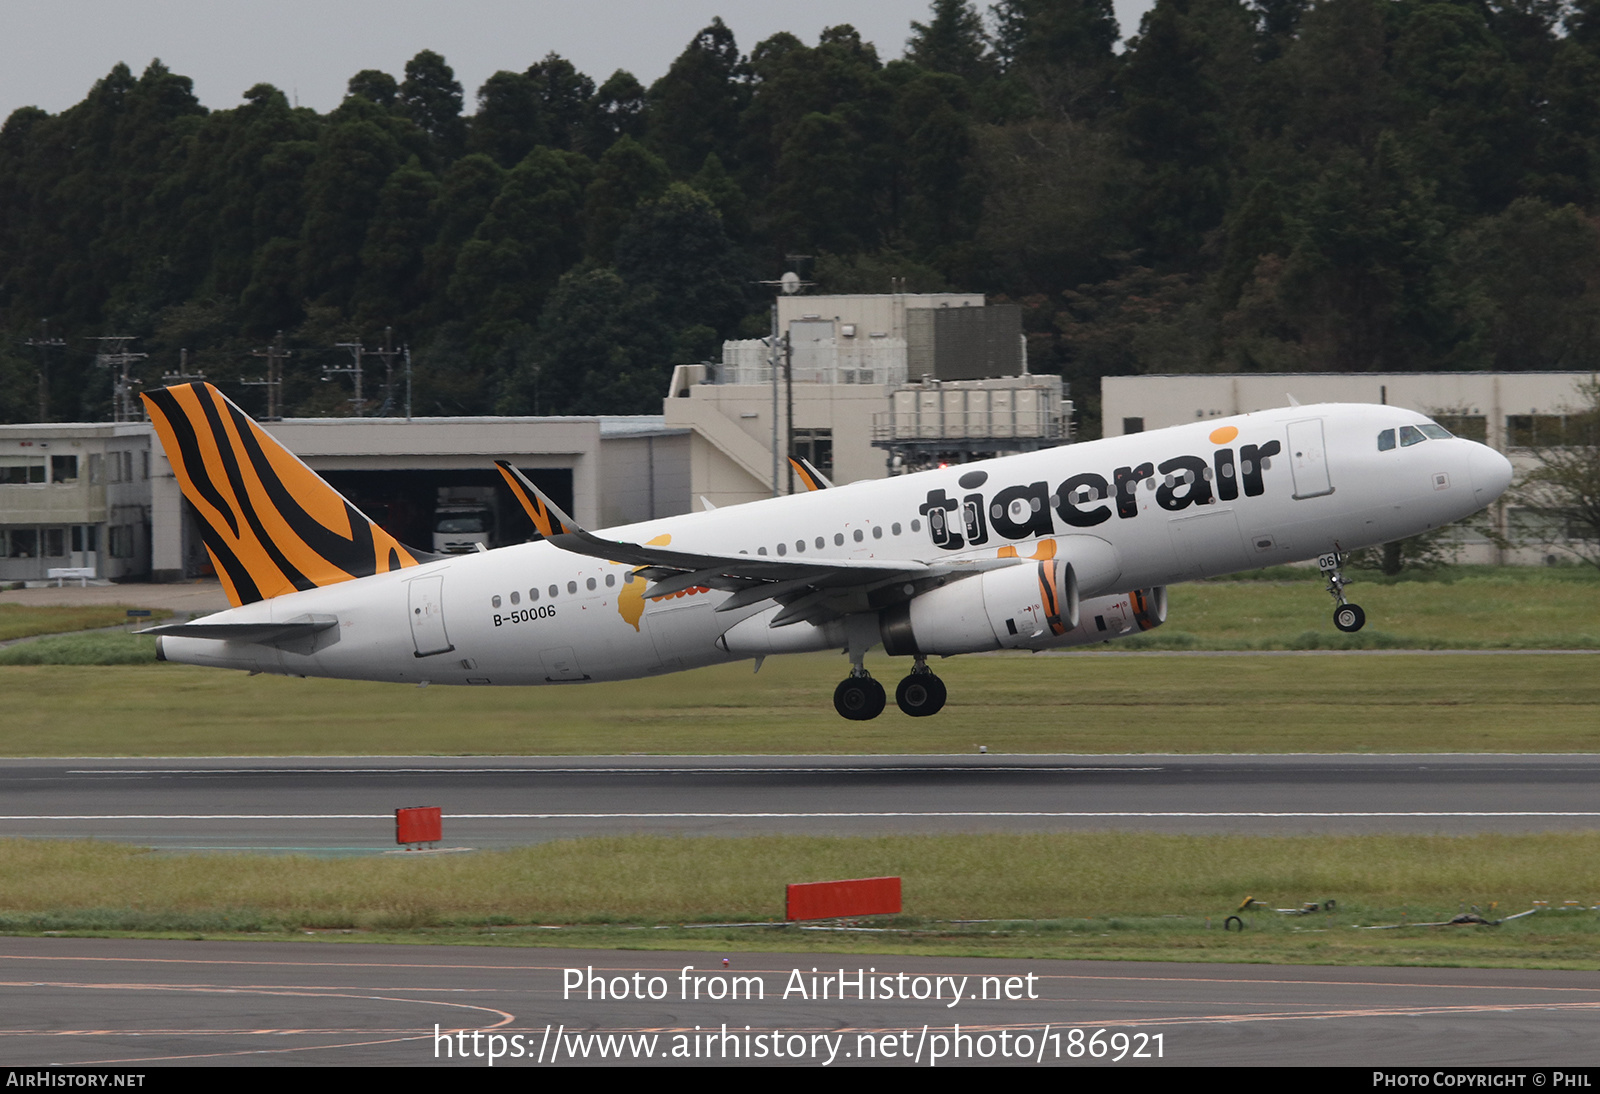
(810, 591)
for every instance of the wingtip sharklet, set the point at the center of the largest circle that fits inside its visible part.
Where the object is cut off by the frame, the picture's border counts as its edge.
(548, 518)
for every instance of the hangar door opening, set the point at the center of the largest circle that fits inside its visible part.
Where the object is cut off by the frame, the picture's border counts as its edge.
(410, 504)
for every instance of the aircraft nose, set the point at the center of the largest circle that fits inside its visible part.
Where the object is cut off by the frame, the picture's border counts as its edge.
(1491, 473)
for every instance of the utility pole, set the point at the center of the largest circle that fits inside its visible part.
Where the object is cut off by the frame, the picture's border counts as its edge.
(276, 355)
(388, 353)
(115, 356)
(789, 284)
(44, 344)
(407, 352)
(357, 350)
(183, 375)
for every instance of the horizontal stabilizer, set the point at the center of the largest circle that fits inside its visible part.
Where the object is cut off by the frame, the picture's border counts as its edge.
(261, 634)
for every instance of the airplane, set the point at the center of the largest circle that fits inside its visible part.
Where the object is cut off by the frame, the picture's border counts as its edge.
(1044, 550)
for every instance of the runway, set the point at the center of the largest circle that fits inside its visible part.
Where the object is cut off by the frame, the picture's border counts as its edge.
(346, 806)
(140, 1004)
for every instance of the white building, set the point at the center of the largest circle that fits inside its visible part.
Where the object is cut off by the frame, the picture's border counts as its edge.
(104, 497)
(74, 496)
(872, 384)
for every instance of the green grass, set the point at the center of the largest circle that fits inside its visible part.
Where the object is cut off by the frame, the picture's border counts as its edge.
(25, 621)
(1479, 608)
(112, 648)
(1125, 895)
(1010, 703)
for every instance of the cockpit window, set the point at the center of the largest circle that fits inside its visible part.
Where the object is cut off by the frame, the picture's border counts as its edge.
(1386, 440)
(1410, 435)
(1436, 432)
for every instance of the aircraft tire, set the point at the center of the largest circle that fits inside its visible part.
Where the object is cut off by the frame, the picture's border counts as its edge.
(859, 698)
(1349, 618)
(921, 694)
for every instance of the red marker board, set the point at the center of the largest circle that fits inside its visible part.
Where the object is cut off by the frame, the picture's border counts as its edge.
(423, 824)
(832, 899)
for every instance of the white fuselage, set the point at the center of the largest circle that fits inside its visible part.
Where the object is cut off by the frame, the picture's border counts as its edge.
(1214, 502)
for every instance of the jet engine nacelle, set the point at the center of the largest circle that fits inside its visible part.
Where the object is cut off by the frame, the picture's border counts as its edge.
(1107, 617)
(996, 610)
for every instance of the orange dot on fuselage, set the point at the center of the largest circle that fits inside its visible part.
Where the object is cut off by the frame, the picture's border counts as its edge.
(1223, 435)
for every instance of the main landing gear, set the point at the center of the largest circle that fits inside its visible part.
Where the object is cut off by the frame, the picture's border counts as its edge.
(1347, 617)
(861, 698)
(921, 693)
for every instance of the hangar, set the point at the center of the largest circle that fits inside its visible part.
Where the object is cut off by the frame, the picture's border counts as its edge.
(102, 495)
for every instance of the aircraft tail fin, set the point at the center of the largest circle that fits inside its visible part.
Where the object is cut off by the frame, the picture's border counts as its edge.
(809, 476)
(548, 518)
(270, 523)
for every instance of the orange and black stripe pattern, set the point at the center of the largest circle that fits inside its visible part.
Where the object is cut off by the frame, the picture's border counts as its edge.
(544, 521)
(1144, 609)
(804, 475)
(1050, 598)
(271, 525)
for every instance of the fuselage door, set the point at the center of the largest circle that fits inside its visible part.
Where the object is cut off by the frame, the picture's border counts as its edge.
(427, 616)
(1308, 458)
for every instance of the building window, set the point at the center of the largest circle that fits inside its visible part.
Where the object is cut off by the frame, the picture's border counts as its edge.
(24, 543)
(1472, 427)
(63, 469)
(85, 537)
(55, 542)
(815, 445)
(1133, 425)
(1544, 430)
(21, 471)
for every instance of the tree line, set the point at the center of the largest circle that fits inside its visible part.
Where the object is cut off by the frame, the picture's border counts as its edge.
(1273, 185)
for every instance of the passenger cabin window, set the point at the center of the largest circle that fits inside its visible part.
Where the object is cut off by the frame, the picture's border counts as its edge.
(1386, 440)
(1410, 435)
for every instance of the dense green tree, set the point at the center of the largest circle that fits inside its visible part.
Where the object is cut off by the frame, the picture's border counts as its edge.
(355, 157)
(1533, 274)
(392, 286)
(1059, 51)
(953, 41)
(693, 111)
(618, 111)
(675, 250)
(376, 86)
(566, 98)
(430, 96)
(531, 234)
(1178, 115)
(510, 121)
(625, 176)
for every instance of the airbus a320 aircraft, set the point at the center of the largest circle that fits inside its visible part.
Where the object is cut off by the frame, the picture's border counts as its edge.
(1044, 550)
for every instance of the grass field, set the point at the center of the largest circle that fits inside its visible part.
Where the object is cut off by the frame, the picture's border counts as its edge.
(1099, 895)
(1130, 896)
(25, 621)
(1082, 701)
(1089, 702)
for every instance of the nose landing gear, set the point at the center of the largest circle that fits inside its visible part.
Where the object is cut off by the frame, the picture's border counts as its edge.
(1347, 617)
(921, 693)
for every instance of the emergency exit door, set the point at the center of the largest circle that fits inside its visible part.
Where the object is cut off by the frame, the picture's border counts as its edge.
(427, 616)
(1308, 459)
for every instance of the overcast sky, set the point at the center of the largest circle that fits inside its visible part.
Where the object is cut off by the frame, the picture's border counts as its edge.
(52, 51)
